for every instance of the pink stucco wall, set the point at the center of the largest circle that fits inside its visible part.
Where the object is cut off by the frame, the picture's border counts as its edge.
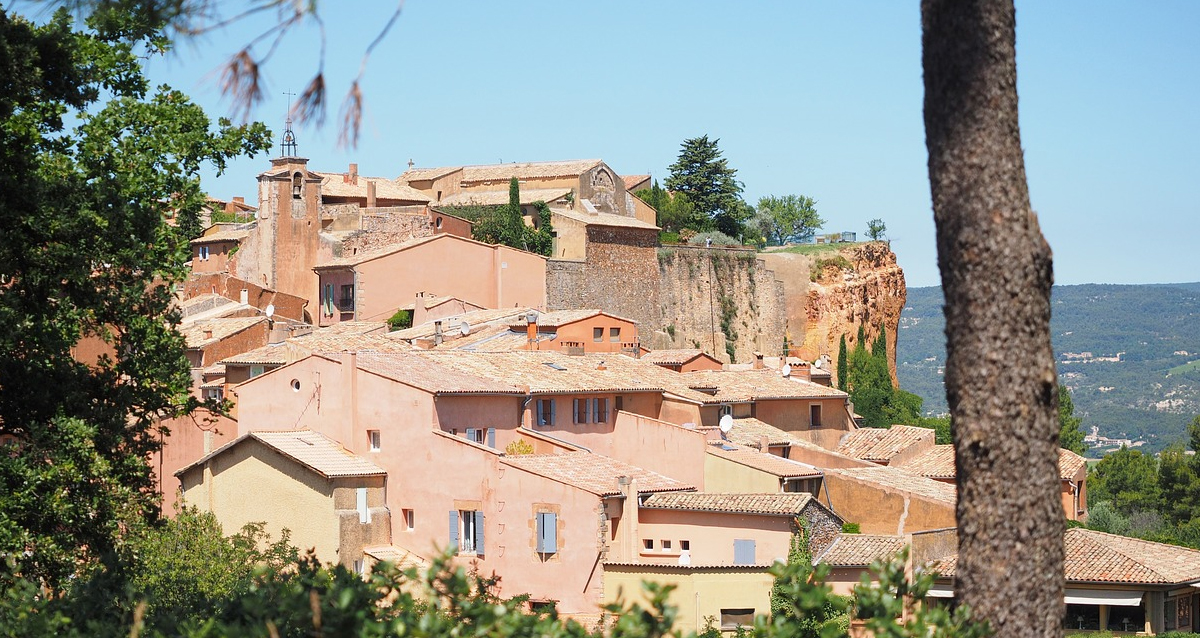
(793, 414)
(711, 535)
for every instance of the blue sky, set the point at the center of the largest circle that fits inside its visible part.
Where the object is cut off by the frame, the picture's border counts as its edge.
(821, 99)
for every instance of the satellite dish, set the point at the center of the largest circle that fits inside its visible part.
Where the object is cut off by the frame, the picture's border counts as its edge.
(464, 328)
(787, 370)
(726, 423)
(270, 310)
(817, 364)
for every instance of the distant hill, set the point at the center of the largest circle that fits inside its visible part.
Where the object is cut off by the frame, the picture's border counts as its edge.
(1129, 354)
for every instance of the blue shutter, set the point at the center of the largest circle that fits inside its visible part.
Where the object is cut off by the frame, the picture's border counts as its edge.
(547, 531)
(479, 532)
(454, 531)
(743, 551)
(491, 438)
(575, 411)
(552, 404)
(541, 417)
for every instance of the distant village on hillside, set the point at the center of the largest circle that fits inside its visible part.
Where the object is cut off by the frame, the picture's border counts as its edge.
(397, 388)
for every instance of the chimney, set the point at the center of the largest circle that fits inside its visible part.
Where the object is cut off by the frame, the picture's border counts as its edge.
(352, 176)
(628, 531)
(758, 360)
(531, 319)
(764, 443)
(244, 297)
(437, 332)
(370, 194)
(601, 366)
(208, 333)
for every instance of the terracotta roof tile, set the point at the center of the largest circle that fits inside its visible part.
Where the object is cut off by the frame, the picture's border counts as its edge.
(489, 339)
(603, 219)
(499, 197)
(209, 331)
(634, 180)
(430, 375)
(891, 478)
(297, 348)
(788, 504)
(1096, 557)
(881, 445)
(764, 461)
(527, 170)
(221, 235)
(749, 431)
(368, 255)
(547, 372)
(1069, 464)
(312, 450)
(335, 185)
(398, 556)
(593, 473)
(673, 357)
(938, 463)
(754, 385)
(560, 318)
(476, 319)
(860, 550)
(421, 174)
(351, 327)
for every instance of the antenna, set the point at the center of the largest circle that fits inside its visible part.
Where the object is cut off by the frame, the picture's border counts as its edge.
(287, 146)
(787, 370)
(464, 328)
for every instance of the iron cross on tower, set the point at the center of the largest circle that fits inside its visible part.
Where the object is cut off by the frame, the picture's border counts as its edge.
(288, 143)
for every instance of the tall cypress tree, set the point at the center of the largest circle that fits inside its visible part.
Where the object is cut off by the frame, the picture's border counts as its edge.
(879, 347)
(843, 364)
(513, 227)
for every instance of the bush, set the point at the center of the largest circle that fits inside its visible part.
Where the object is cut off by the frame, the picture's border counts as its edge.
(851, 528)
(668, 237)
(401, 320)
(718, 239)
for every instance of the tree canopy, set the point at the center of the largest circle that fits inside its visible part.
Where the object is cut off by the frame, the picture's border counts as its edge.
(706, 179)
(87, 258)
(787, 218)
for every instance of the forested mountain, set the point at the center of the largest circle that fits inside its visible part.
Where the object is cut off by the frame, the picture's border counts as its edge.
(1130, 355)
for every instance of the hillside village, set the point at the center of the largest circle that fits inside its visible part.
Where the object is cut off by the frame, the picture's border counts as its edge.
(537, 417)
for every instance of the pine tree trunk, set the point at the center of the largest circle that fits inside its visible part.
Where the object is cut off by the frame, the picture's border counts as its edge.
(996, 276)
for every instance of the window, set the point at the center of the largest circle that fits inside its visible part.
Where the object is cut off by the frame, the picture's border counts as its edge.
(364, 512)
(726, 409)
(581, 410)
(360, 568)
(347, 300)
(466, 531)
(482, 436)
(685, 546)
(256, 370)
(217, 394)
(733, 618)
(203, 251)
(327, 302)
(600, 410)
(409, 519)
(648, 544)
(614, 335)
(743, 551)
(475, 435)
(666, 545)
(545, 412)
(547, 532)
(814, 415)
(373, 440)
(297, 185)
(620, 404)
(597, 334)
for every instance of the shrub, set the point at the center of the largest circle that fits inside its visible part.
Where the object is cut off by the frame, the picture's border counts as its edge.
(851, 528)
(668, 237)
(718, 239)
(401, 320)
(518, 447)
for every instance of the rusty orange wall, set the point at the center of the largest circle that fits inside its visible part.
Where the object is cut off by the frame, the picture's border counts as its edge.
(879, 510)
(700, 363)
(792, 415)
(246, 340)
(450, 224)
(581, 331)
(218, 257)
(286, 306)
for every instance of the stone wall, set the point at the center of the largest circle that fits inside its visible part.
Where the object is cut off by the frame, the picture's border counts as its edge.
(619, 276)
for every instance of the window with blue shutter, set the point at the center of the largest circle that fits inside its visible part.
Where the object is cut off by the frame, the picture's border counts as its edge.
(479, 532)
(545, 412)
(453, 545)
(743, 551)
(547, 532)
(491, 438)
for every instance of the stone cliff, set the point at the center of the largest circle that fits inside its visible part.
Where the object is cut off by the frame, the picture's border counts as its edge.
(732, 302)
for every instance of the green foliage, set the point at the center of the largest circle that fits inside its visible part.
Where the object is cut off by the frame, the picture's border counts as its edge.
(800, 600)
(940, 425)
(668, 237)
(505, 225)
(518, 447)
(718, 239)
(836, 262)
(851, 528)
(705, 178)
(869, 383)
(843, 364)
(674, 211)
(91, 163)
(876, 229)
(895, 608)
(1070, 435)
(785, 218)
(1127, 479)
(401, 320)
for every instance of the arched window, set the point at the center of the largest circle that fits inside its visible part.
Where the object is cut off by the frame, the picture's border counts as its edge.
(297, 185)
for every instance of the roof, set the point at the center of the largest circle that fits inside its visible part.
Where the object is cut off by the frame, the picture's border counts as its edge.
(527, 170)
(787, 504)
(735, 386)
(593, 472)
(560, 318)
(860, 550)
(749, 431)
(398, 556)
(209, 331)
(430, 375)
(476, 318)
(390, 249)
(634, 180)
(938, 463)
(549, 372)
(891, 478)
(297, 348)
(221, 235)
(603, 219)
(676, 357)
(421, 174)
(500, 197)
(489, 339)
(881, 445)
(351, 328)
(335, 185)
(312, 450)
(763, 461)
(1097, 557)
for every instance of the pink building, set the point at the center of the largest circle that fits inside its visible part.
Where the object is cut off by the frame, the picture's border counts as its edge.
(369, 285)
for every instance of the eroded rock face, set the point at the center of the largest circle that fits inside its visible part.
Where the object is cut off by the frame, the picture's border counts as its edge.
(725, 302)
